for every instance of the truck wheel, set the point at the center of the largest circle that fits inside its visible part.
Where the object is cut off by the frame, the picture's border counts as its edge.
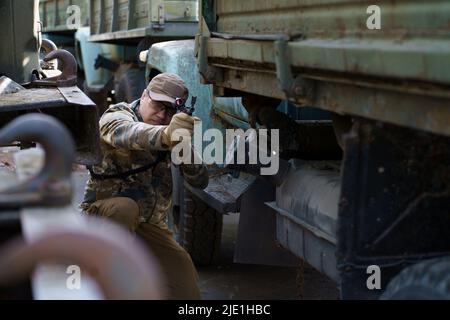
(130, 86)
(426, 280)
(198, 230)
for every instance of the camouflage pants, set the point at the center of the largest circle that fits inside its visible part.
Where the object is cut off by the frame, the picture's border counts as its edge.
(180, 273)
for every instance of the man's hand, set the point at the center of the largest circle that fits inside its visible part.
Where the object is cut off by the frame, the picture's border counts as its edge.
(179, 121)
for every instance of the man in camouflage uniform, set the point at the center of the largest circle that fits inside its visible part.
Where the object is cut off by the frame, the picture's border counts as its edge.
(133, 184)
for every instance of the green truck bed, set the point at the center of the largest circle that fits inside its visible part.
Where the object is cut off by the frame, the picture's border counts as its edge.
(330, 54)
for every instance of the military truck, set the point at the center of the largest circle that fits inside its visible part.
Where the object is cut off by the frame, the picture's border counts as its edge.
(382, 72)
(359, 94)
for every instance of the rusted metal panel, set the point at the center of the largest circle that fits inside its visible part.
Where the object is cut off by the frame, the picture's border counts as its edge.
(171, 31)
(231, 112)
(77, 112)
(36, 98)
(317, 251)
(74, 96)
(306, 208)
(333, 18)
(304, 50)
(113, 20)
(410, 105)
(420, 60)
(8, 86)
(54, 15)
(310, 193)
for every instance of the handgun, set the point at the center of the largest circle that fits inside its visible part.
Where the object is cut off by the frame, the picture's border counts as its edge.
(182, 107)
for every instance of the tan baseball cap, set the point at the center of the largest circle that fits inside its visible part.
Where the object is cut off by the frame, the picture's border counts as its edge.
(167, 87)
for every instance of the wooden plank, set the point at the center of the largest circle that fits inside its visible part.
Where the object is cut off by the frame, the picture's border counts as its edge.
(115, 16)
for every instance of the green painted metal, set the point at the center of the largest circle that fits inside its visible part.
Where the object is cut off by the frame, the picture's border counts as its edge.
(122, 20)
(296, 49)
(413, 41)
(54, 15)
(19, 39)
(334, 18)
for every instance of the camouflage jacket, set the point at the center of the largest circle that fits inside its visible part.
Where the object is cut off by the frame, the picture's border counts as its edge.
(128, 143)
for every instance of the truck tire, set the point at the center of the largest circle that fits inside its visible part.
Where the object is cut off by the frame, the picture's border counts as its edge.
(429, 280)
(130, 85)
(198, 230)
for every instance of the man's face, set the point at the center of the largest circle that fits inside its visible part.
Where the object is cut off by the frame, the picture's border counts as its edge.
(155, 112)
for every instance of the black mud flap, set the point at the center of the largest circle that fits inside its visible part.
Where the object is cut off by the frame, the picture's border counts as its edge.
(394, 204)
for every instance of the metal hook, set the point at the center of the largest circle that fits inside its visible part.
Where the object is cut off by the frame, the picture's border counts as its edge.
(52, 185)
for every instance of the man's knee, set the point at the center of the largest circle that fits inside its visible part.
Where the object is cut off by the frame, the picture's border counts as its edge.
(123, 204)
(186, 286)
(122, 210)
